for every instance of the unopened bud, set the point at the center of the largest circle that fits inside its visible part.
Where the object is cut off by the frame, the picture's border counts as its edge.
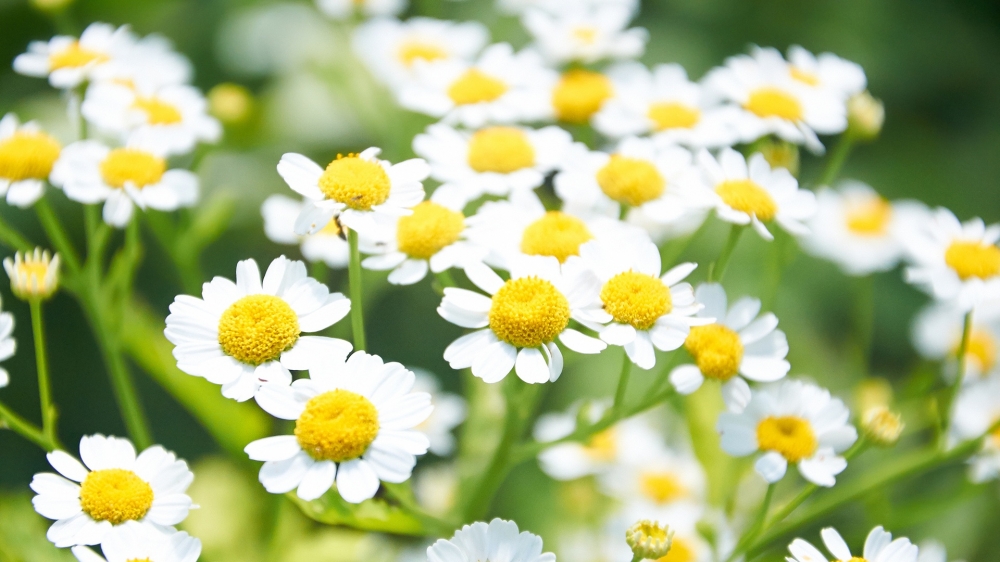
(882, 426)
(33, 275)
(865, 116)
(230, 103)
(871, 393)
(778, 153)
(649, 539)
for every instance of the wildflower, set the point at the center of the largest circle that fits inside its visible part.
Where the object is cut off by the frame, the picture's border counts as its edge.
(329, 244)
(449, 412)
(150, 61)
(865, 116)
(977, 409)
(135, 542)
(825, 71)
(585, 34)
(230, 103)
(649, 539)
(654, 479)
(33, 275)
(27, 155)
(498, 540)
(344, 9)
(882, 426)
(879, 547)
(69, 62)
(937, 334)
(580, 94)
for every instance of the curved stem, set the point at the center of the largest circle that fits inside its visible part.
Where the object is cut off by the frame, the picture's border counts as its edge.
(949, 407)
(354, 279)
(622, 384)
(12, 238)
(718, 267)
(837, 159)
(756, 527)
(54, 230)
(25, 429)
(42, 367)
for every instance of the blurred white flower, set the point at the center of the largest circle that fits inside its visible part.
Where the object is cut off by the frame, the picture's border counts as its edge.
(825, 71)
(27, 156)
(976, 409)
(879, 547)
(586, 35)
(327, 244)
(344, 9)
(449, 412)
(133, 541)
(69, 62)
(937, 334)
(499, 540)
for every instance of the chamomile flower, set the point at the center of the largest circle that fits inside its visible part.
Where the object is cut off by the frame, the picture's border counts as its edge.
(937, 335)
(135, 542)
(7, 344)
(932, 550)
(955, 261)
(687, 543)
(517, 324)
(976, 410)
(586, 34)
(355, 188)
(499, 87)
(391, 48)
(557, 7)
(580, 93)
(90, 501)
(150, 60)
(826, 71)
(791, 422)
(327, 245)
(495, 160)
(241, 335)
(68, 61)
(879, 547)
(27, 155)
(344, 9)
(499, 540)
(739, 343)
(449, 412)
(33, 275)
(123, 178)
(751, 192)
(354, 424)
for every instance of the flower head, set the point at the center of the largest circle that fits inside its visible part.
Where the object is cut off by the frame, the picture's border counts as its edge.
(33, 275)
(133, 542)
(879, 547)
(328, 245)
(27, 156)
(68, 61)
(649, 539)
(882, 426)
(498, 540)
(586, 34)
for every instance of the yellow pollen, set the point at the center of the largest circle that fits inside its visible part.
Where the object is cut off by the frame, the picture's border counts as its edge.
(982, 349)
(430, 228)
(791, 436)
(585, 34)
(680, 551)
(632, 181)
(662, 487)
(580, 94)
(870, 217)
(411, 51)
(258, 328)
(475, 86)
(716, 349)
(748, 197)
(115, 495)
(973, 259)
(528, 312)
(158, 112)
(75, 56)
(337, 426)
(804, 76)
(602, 446)
(500, 149)
(130, 166)
(556, 234)
(773, 102)
(27, 155)
(673, 115)
(636, 299)
(357, 183)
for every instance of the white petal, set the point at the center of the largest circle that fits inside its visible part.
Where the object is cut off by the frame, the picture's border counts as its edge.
(736, 394)
(356, 481)
(580, 342)
(317, 480)
(66, 465)
(277, 448)
(530, 366)
(771, 466)
(686, 378)
(835, 543)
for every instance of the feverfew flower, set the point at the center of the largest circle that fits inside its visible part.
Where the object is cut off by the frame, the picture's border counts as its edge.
(586, 34)
(580, 93)
(937, 335)
(344, 9)
(499, 541)
(69, 62)
(329, 244)
(151, 61)
(33, 275)
(879, 547)
(557, 7)
(449, 412)
(976, 410)
(826, 71)
(241, 335)
(27, 155)
(7, 344)
(354, 424)
(137, 542)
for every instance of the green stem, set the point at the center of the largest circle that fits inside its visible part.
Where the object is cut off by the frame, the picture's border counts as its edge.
(636, 558)
(445, 279)
(319, 271)
(42, 367)
(837, 159)
(672, 250)
(25, 429)
(354, 279)
(757, 526)
(718, 268)
(12, 238)
(956, 386)
(56, 233)
(622, 384)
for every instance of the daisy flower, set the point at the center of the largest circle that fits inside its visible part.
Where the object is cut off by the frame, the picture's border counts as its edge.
(243, 334)
(135, 542)
(556, 7)
(937, 335)
(520, 320)
(826, 71)
(638, 307)
(665, 104)
(355, 188)
(391, 48)
(90, 501)
(977, 408)
(932, 551)
(344, 9)
(69, 62)
(33, 275)
(955, 261)
(495, 160)
(7, 344)
(150, 60)
(136, 174)
(499, 540)
(354, 424)
(499, 87)
(327, 244)
(580, 93)
(449, 412)
(27, 155)
(879, 547)
(585, 34)
(751, 192)
(665, 480)
(791, 422)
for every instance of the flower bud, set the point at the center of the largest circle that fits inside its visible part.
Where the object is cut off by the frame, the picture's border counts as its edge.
(865, 116)
(33, 275)
(778, 153)
(649, 539)
(230, 103)
(882, 426)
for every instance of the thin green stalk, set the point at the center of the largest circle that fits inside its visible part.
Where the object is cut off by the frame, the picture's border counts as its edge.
(758, 524)
(623, 211)
(12, 238)
(445, 279)
(718, 267)
(56, 233)
(836, 160)
(956, 386)
(25, 429)
(622, 384)
(354, 279)
(636, 558)
(319, 271)
(49, 413)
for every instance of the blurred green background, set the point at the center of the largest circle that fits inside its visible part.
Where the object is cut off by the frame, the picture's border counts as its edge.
(935, 63)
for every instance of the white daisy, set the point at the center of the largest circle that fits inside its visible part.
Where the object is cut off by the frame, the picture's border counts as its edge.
(354, 424)
(354, 188)
(33, 275)
(557, 7)
(791, 422)
(937, 335)
(69, 62)
(89, 502)
(498, 541)
(241, 335)
(495, 160)
(27, 155)
(585, 34)
(826, 71)
(150, 60)
(977, 408)
(344, 9)
(135, 542)
(521, 320)
(7, 344)
(879, 547)
(955, 261)
(751, 192)
(499, 87)
(449, 412)
(580, 93)
(932, 551)
(134, 175)
(327, 245)
(662, 481)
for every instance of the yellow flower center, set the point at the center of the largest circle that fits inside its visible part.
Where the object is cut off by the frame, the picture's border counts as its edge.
(337, 426)
(804, 76)
(135, 167)
(528, 312)
(27, 155)
(973, 259)
(636, 299)
(158, 112)
(115, 495)
(673, 115)
(430, 228)
(585, 34)
(748, 197)
(680, 551)
(982, 349)
(75, 56)
(556, 234)
(773, 102)
(854, 559)
(790, 436)
(602, 446)
(257, 328)
(870, 217)
(662, 487)
(475, 86)
(500, 149)
(411, 51)
(632, 181)
(580, 94)
(357, 183)
(716, 349)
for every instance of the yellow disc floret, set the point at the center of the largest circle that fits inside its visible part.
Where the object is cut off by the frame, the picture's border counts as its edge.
(602, 446)
(773, 102)
(430, 228)
(115, 495)
(258, 328)
(636, 299)
(585, 34)
(673, 115)
(790, 436)
(158, 112)
(632, 181)
(27, 155)
(528, 312)
(360, 184)
(973, 259)
(580, 94)
(130, 166)
(806, 77)
(982, 349)
(75, 56)
(748, 197)
(662, 487)
(337, 426)
(870, 217)
(716, 350)
(556, 234)
(680, 551)
(500, 149)
(475, 86)
(412, 51)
